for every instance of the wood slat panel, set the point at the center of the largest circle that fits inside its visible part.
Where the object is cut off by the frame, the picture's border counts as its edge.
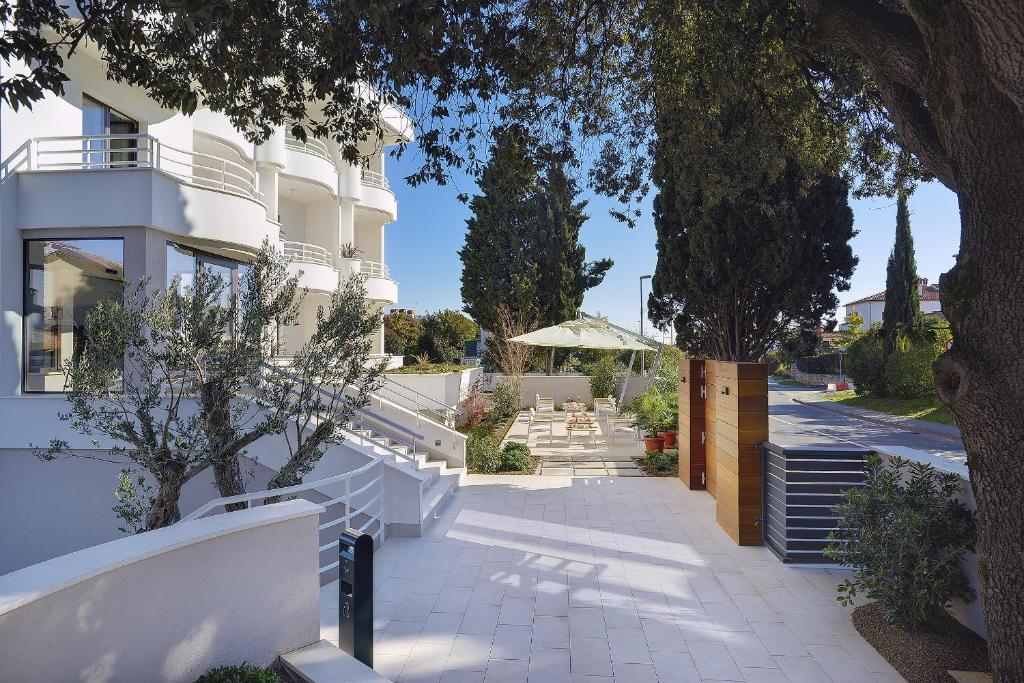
(728, 370)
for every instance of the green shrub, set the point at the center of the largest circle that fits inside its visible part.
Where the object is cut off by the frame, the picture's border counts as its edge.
(777, 361)
(515, 457)
(908, 370)
(661, 461)
(507, 398)
(604, 374)
(864, 362)
(904, 534)
(482, 453)
(239, 673)
(428, 369)
(650, 411)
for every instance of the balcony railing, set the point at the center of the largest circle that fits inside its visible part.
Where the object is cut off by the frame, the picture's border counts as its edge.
(374, 179)
(310, 146)
(375, 269)
(112, 152)
(301, 252)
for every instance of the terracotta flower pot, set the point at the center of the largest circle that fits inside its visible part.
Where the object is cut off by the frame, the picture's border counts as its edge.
(654, 443)
(669, 436)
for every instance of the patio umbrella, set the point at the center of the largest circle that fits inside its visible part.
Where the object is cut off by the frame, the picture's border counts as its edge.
(587, 333)
(582, 334)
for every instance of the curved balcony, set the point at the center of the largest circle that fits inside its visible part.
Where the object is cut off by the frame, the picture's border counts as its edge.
(379, 285)
(310, 160)
(313, 264)
(133, 180)
(377, 195)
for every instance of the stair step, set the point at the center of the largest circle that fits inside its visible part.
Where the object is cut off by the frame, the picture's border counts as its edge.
(322, 662)
(438, 491)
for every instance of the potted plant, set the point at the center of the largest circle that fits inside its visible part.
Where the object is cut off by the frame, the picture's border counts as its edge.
(649, 409)
(670, 421)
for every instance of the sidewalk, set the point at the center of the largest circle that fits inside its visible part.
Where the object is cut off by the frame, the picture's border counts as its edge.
(895, 421)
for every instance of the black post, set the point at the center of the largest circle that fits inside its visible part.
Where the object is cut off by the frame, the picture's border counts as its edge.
(355, 595)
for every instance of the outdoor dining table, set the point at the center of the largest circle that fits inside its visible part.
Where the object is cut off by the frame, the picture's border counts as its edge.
(581, 422)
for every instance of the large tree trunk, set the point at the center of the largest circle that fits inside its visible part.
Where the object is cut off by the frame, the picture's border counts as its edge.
(981, 378)
(227, 474)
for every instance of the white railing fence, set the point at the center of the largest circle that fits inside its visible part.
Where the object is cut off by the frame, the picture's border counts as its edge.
(310, 146)
(375, 179)
(353, 500)
(375, 269)
(420, 403)
(107, 152)
(302, 252)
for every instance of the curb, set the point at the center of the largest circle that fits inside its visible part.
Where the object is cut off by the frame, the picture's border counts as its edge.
(895, 423)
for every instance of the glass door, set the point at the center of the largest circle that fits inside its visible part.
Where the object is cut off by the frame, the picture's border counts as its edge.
(103, 122)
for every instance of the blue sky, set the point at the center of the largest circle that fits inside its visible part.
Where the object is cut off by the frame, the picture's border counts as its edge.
(422, 247)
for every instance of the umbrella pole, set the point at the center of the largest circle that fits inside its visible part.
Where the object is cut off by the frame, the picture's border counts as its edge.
(629, 372)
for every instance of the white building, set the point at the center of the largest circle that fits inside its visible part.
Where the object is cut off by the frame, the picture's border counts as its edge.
(871, 307)
(102, 185)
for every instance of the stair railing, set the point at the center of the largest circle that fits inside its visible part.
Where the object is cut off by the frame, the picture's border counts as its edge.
(422, 404)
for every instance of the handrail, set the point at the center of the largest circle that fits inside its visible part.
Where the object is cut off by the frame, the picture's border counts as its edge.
(375, 269)
(375, 179)
(311, 146)
(359, 409)
(412, 400)
(95, 152)
(302, 252)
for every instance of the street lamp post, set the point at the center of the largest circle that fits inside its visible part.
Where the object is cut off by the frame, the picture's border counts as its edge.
(642, 278)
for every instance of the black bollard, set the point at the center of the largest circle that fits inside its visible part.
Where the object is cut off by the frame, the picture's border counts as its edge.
(355, 595)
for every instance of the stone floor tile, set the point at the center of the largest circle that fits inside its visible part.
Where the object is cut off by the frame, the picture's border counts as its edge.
(388, 666)
(755, 675)
(838, 664)
(634, 673)
(589, 656)
(778, 639)
(663, 635)
(587, 622)
(507, 671)
(470, 652)
(517, 611)
(480, 620)
(441, 627)
(462, 677)
(747, 650)
(512, 642)
(675, 667)
(549, 666)
(713, 661)
(628, 646)
(801, 669)
(550, 632)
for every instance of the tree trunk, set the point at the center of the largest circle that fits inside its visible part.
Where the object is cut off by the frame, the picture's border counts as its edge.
(227, 474)
(165, 509)
(549, 366)
(981, 377)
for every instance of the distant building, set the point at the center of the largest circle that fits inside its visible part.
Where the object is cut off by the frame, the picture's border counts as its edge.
(871, 307)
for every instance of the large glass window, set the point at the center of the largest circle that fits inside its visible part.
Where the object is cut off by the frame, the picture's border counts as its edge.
(110, 131)
(183, 263)
(63, 280)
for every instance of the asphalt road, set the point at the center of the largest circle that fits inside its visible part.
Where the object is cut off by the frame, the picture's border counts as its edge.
(795, 424)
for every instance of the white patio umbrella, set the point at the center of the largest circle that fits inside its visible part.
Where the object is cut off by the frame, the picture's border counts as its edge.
(582, 334)
(587, 333)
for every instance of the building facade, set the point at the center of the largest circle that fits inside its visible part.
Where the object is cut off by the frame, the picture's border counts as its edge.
(871, 307)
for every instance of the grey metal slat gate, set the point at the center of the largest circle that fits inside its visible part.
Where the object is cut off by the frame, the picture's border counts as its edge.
(801, 485)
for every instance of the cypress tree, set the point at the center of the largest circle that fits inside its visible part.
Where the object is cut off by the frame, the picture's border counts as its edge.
(564, 274)
(902, 302)
(497, 258)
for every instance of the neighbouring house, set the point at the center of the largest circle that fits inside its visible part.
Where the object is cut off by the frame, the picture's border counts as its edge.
(101, 185)
(870, 307)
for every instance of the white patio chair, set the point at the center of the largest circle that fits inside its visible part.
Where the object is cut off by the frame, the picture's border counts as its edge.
(542, 417)
(545, 405)
(603, 406)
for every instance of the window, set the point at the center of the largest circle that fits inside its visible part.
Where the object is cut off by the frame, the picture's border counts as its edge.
(109, 130)
(64, 279)
(183, 263)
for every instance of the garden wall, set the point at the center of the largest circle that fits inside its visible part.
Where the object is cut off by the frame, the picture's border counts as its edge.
(559, 387)
(816, 380)
(168, 604)
(450, 388)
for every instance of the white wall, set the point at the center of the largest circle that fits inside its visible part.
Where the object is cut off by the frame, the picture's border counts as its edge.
(169, 604)
(450, 388)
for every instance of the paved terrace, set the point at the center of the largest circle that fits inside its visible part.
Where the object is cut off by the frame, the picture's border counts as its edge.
(585, 454)
(554, 578)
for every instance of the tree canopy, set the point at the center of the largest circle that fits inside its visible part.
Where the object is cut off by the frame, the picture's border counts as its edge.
(902, 301)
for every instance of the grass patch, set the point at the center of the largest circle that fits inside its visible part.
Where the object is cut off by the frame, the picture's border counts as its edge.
(929, 409)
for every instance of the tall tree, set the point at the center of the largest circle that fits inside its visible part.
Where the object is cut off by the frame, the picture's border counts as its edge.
(497, 262)
(564, 274)
(902, 301)
(444, 333)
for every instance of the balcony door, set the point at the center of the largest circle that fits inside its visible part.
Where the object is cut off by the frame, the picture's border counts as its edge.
(107, 131)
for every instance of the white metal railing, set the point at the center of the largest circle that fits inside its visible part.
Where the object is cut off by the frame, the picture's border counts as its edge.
(418, 402)
(310, 146)
(375, 269)
(107, 152)
(306, 253)
(356, 498)
(375, 179)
